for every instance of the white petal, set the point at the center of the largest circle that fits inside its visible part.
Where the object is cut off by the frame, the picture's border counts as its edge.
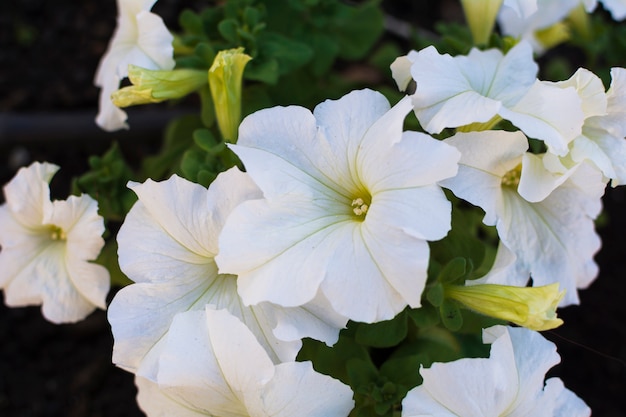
(616, 7)
(485, 158)
(555, 239)
(353, 268)
(567, 403)
(536, 182)
(591, 91)
(316, 319)
(271, 246)
(416, 160)
(156, 403)
(192, 372)
(155, 41)
(549, 113)
(401, 258)
(297, 390)
(28, 195)
(401, 70)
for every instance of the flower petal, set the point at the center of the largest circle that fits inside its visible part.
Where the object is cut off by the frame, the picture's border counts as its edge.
(289, 394)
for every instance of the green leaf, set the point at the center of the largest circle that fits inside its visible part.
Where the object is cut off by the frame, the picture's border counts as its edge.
(453, 270)
(361, 373)
(108, 259)
(451, 315)
(262, 70)
(332, 360)
(190, 22)
(384, 333)
(435, 294)
(207, 111)
(205, 139)
(425, 316)
(358, 28)
(228, 30)
(288, 53)
(404, 371)
(178, 138)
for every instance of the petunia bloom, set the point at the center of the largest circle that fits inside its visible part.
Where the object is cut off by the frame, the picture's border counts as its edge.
(47, 246)
(167, 245)
(602, 138)
(140, 38)
(212, 365)
(508, 383)
(551, 240)
(486, 86)
(349, 204)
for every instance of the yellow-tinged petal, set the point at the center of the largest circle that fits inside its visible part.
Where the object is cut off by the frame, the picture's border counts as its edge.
(530, 307)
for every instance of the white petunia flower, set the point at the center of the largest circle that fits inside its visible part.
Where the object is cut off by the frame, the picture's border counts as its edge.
(212, 365)
(350, 202)
(485, 86)
(510, 383)
(141, 39)
(552, 240)
(47, 246)
(167, 245)
(600, 142)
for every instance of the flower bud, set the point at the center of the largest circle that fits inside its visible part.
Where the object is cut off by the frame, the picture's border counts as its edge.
(530, 307)
(481, 16)
(154, 86)
(225, 79)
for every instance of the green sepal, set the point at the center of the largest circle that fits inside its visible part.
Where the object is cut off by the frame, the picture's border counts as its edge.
(435, 294)
(453, 270)
(451, 315)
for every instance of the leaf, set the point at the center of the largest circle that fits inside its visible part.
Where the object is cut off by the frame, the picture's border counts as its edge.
(383, 334)
(425, 316)
(357, 29)
(289, 54)
(228, 30)
(362, 374)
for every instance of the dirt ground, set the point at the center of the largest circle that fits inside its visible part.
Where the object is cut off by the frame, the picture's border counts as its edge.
(48, 55)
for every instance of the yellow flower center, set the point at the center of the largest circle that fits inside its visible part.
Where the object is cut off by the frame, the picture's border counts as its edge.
(512, 177)
(56, 233)
(360, 206)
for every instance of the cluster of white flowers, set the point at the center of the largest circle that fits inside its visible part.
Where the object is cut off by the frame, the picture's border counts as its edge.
(330, 222)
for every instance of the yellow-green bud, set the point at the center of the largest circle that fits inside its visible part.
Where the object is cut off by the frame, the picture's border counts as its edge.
(530, 307)
(481, 16)
(225, 79)
(553, 35)
(154, 86)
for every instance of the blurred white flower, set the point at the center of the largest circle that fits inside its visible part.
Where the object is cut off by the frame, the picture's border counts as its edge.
(349, 204)
(212, 365)
(167, 245)
(510, 383)
(533, 20)
(485, 86)
(47, 246)
(552, 240)
(141, 39)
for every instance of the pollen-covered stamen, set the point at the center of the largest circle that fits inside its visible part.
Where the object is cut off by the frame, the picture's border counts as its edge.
(56, 233)
(512, 177)
(359, 207)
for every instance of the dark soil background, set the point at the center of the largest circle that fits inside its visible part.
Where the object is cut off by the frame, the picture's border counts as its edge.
(49, 51)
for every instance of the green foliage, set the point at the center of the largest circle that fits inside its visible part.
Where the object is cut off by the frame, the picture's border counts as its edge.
(106, 182)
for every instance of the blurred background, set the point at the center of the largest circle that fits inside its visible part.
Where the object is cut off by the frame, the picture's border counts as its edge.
(49, 51)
